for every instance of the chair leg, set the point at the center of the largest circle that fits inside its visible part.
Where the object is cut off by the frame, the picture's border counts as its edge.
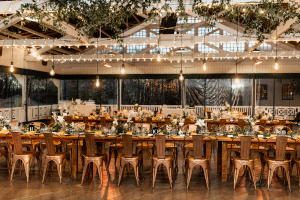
(253, 175)
(189, 175)
(60, 168)
(7, 162)
(45, 169)
(170, 176)
(136, 171)
(271, 172)
(84, 172)
(100, 173)
(116, 156)
(235, 177)
(27, 170)
(206, 177)
(154, 174)
(13, 169)
(288, 177)
(230, 170)
(120, 173)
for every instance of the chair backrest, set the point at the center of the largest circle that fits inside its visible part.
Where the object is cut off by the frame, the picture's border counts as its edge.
(48, 137)
(161, 146)
(245, 147)
(263, 123)
(127, 144)
(103, 121)
(197, 146)
(209, 114)
(281, 142)
(104, 114)
(222, 122)
(90, 144)
(17, 142)
(149, 119)
(241, 123)
(69, 119)
(187, 121)
(282, 122)
(85, 120)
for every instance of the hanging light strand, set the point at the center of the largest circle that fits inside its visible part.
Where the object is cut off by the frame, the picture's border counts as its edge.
(123, 55)
(181, 78)
(276, 59)
(12, 51)
(97, 78)
(204, 61)
(237, 81)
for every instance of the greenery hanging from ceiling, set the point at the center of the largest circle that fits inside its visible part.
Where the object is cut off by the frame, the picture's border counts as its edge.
(257, 19)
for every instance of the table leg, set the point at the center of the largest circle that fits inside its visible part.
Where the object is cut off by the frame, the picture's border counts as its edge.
(75, 159)
(219, 157)
(224, 161)
(208, 155)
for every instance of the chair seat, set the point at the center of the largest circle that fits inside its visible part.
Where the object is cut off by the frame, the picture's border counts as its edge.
(58, 154)
(145, 145)
(97, 155)
(28, 153)
(167, 157)
(238, 158)
(273, 159)
(287, 148)
(170, 145)
(134, 156)
(118, 145)
(192, 158)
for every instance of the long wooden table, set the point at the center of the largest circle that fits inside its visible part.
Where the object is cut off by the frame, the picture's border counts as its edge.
(75, 139)
(210, 123)
(222, 154)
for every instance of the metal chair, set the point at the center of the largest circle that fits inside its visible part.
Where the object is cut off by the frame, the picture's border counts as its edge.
(92, 157)
(128, 157)
(52, 156)
(24, 156)
(197, 159)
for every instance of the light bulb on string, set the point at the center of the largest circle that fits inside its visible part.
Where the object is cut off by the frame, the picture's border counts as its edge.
(204, 65)
(276, 63)
(181, 78)
(237, 81)
(158, 57)
(123, 69)
(97, 81)
(11, 67)
(52, 72)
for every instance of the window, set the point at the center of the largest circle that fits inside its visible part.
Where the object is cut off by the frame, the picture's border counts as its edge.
(233, 46)
(287, 92)
(140, 34)
(133, 49)
(262, 92)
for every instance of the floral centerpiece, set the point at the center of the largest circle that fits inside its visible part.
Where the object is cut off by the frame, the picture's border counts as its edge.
(128, 124)
(58, 122)
(136, 107)
(200, 125)
(118, 126)
(3, 122)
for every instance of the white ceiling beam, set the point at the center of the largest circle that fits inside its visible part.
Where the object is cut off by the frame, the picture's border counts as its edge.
(10, 22)
(8, 7)
(188, 56)
(32, 31)
(68, 29)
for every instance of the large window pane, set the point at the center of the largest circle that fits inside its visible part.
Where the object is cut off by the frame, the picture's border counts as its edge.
(217, 92)
(10, 91)
(108, 91)
(195, 91)
(172, 92)
(69, 89)
(265, 95)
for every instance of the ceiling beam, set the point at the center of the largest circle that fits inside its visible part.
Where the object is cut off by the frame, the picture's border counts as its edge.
(32, 31)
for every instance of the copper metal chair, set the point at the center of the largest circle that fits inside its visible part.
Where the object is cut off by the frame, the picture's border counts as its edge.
(162, 158)
(241, 123)
(279, 160)
(52, 156)
(222, 122)
(135, 160)
(92, 157)
(114, 148)
(197, 159)
(243, 160)
(296, 160)
(5, 152)
(25, 156)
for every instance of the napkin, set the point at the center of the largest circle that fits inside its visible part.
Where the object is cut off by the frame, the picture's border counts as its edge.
(31, 132)
(3, 131)
(98, 133)
(60, 133)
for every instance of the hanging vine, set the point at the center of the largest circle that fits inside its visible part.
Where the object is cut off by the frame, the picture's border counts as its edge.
(257, 19)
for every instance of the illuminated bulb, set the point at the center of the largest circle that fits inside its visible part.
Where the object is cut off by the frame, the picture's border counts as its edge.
(39, 58)
(209, 6)
(97, 81)
(52, 72)
(123, 69)
(276, 63)
(237, 81)
(158, 57)
(11, 67)
(204, 65)
(181, 78)
(244, 10)
(226, 7)
(34, 53)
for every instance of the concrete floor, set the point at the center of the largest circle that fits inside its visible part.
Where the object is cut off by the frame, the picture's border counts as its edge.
(71, 188)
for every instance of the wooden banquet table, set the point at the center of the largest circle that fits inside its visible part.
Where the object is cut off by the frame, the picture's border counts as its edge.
(75, 139)
(222, 154)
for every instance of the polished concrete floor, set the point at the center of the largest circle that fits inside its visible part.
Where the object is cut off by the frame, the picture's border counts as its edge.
(71, 188)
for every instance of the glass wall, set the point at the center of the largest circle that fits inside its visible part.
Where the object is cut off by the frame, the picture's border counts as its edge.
(151, 91)
(10, 91)
(85, 89)
(41, 91)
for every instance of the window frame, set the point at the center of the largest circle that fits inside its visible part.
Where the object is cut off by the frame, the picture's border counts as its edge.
(288, 96)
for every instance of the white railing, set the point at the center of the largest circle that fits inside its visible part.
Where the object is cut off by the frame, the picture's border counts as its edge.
(200, 109)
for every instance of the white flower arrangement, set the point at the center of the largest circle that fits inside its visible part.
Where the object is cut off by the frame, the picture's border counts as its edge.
(200, 123)
(129, 120)
(115, 122)
(174, 121)
(181, 122)
(3, 121)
